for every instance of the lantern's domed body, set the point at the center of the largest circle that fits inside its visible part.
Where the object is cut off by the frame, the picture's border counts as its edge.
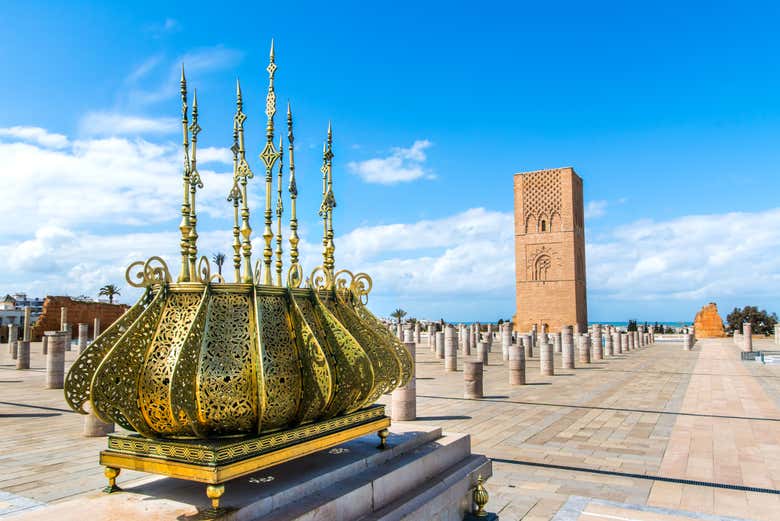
(212, 360)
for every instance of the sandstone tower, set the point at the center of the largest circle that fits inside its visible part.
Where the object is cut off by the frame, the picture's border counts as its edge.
(550, 250)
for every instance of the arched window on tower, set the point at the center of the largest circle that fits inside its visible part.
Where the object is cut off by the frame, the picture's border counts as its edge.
(543, 226)
(542, 267)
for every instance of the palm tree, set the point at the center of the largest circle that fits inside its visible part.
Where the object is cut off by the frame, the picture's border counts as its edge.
(109, 290)
(398, 314)
(219, 260)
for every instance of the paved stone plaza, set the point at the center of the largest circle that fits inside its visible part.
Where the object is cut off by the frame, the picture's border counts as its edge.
(606, 441)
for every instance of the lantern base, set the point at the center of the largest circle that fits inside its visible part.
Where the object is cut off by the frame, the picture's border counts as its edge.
(215, 462)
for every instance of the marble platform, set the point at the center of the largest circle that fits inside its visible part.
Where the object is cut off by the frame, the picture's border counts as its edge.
(424, 474)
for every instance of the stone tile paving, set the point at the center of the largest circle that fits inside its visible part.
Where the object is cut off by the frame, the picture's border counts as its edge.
(630, 415)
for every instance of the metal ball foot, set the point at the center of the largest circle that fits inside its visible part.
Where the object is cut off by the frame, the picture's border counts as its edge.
(111, 473)
(383, 434)
(214, 492)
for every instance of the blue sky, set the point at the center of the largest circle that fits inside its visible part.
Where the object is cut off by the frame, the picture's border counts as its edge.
(669, 112)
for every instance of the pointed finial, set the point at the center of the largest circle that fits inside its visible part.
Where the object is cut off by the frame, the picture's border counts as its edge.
(272, 49)
(194, 100)
(183, 79)
(238, 88)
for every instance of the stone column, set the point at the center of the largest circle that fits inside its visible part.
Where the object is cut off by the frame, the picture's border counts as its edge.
(23, 346)
(399, 331)
(528, 345)
(777, 333)
(687, 342)
(557, 343)
(616, 343)
(534, 334)
(55, 360)
(483, 349)
(747, 337)
(83, 334)
(546, 359)
(417, 334)
(567, 348)
(15, 350)
(472, 379)
(467, 341)
(44, 345)
(94, 427)
(450, 349)
(12, 332)
(597, 349)
(516, 365)
(404, 399)
(623, 342)
(506, 341)
(408, 336)
(440, 345)
(584, 349)
(432, 336)
(96, 329)
(63, 319)
(608, 344)
(630, 338)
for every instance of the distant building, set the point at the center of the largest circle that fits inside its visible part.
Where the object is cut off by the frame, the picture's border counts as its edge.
(550, 250)
(12, 311)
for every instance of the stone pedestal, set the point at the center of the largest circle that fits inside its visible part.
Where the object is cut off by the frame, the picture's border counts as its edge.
(630, 338)
(404, 399)
(83, 337)
(450, 350)
(557, 343)
(747, 337)
(546, 360)
(45, 345)
(567, 348)
(467, 341)
(440, 345)
(432, 337)
(490, 337)
(528, 345)
(623, 342)
(93, 426)
(408, 336)
(55, 360)
(399, 331)
(472, 378)
(23, 354)
(584, 349)
(417, 333)
(15, 349)
(608, 344)
(482, 352)
(516, 365)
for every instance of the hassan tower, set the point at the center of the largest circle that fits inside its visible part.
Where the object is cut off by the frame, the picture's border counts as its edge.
(550, 250)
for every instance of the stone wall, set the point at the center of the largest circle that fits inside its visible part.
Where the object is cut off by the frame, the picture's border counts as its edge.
(78, 313)
(708, 323)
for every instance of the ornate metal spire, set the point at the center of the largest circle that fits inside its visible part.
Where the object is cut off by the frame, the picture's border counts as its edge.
(235, 196)
(294, 279)
(195, 183)
(185, 225)
(279, 211)
(244, 173)
(269, 156)
(330, 204)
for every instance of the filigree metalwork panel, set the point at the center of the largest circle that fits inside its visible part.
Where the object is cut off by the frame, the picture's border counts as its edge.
(227, 379)
(404, 358)
(79, 378)
(340, 373)
(348, 362)
(316, 373)
(184, 405)
(386, 365)
(281, 368)
(114, 392)
(155, 379)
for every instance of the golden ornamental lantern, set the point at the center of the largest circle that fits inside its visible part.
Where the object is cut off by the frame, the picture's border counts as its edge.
(211, 374)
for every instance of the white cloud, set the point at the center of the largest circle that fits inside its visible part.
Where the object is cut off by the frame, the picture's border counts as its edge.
(35, 135)
(215, 155)
(403, 165)
(595, 209)
(111, 181)
(113, 124)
